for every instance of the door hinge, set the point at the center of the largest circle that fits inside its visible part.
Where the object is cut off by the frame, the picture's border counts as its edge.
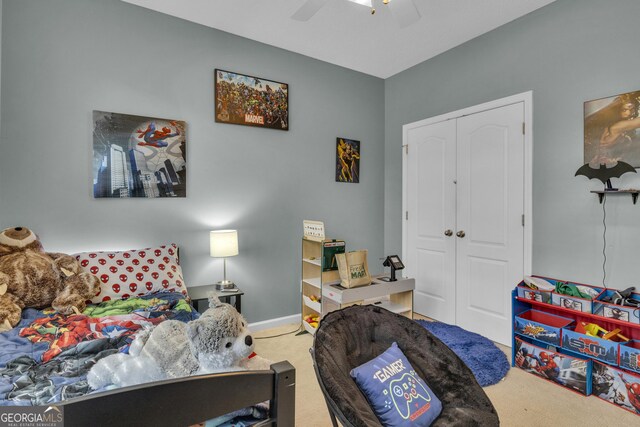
(523, 127)
(406, 215)
(523, 220)
(406, 149)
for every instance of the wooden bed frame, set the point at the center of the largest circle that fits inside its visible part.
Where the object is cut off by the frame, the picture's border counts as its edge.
(191, 400)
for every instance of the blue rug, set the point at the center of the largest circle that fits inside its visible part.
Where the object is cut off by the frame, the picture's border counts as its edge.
(487, 362)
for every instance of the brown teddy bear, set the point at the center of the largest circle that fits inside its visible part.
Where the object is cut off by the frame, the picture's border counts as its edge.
(31, 277)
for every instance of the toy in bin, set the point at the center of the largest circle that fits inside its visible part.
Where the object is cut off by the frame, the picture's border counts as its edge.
(312, 319)
(592, 340)
(575, 296)
(623, 298)
(535, 289)
(619, 305)
(594, 330)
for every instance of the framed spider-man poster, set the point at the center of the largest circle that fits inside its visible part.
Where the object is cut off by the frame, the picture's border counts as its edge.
(138, 156)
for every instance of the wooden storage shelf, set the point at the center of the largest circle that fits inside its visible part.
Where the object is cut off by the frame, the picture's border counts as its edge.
(312, 261)
(315, 274)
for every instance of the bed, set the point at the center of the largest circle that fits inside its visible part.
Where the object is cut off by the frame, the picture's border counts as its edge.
(44, 361)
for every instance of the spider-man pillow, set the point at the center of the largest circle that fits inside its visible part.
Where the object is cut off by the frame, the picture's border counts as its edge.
(397, 395)
(134, 273)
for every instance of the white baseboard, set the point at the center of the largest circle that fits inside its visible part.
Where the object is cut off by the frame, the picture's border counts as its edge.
(273, 323)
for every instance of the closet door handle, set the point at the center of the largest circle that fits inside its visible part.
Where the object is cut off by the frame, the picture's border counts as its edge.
(448, 233)
(460, 234)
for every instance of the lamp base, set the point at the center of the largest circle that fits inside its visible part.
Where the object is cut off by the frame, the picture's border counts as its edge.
(225, 284)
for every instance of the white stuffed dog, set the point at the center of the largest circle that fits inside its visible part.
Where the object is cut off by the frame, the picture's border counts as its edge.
(215, 342)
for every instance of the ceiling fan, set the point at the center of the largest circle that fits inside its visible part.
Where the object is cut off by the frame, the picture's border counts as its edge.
(405, 12)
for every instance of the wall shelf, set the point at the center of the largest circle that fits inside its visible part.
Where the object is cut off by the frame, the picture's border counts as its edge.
(602, 193)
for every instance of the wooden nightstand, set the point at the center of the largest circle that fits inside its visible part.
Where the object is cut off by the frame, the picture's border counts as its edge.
(200, 297)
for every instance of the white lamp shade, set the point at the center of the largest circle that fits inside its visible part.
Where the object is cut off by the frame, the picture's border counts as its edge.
(224, 243)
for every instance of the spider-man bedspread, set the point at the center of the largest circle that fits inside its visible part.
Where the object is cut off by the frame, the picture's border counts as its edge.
(45, 359)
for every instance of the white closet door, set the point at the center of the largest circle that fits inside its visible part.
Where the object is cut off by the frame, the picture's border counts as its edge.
(431, 206)
(490, 205)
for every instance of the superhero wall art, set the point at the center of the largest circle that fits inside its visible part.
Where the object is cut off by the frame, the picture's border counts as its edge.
(251, 101)
(136, 156)
(612, 130)
(347, 160)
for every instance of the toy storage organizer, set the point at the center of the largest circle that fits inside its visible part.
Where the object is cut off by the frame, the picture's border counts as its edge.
(546, 344)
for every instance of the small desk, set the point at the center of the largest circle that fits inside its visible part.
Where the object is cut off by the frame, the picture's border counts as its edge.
(400, 294)
(200, 297)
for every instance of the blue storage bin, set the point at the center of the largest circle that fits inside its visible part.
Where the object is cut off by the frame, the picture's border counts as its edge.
(614, 311)
(533, 294)
(630, 355)
(590, 346)
(567, 371)
(541, 326)
(575, 303)
(615, 386)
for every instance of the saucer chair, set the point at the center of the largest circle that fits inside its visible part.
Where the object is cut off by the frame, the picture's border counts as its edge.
(352, 336)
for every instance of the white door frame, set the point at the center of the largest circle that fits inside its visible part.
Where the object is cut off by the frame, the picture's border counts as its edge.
(527, 99)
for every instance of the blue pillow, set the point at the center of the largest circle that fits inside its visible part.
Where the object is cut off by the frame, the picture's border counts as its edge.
(397, 395)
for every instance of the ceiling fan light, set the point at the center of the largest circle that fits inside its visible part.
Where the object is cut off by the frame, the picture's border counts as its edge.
(363, 2)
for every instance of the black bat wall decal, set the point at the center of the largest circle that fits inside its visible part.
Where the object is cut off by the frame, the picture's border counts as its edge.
(604, 174)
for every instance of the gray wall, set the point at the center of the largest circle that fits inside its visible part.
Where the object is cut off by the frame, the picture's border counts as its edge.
(62, 59)
(567, 53)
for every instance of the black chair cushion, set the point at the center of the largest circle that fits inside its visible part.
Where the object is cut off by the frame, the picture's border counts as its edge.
(350, 337)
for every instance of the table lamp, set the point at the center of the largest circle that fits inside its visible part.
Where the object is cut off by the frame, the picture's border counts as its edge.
(224, 243)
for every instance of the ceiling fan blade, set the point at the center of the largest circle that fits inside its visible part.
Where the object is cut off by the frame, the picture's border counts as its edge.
(405, 12)
(308, 9)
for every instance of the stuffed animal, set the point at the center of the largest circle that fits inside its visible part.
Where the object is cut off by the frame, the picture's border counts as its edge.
(31, 277)
(215, 342)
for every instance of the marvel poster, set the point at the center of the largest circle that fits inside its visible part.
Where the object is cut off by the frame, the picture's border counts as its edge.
(137, 156)
(347, 160)
(611, 130)
(251, 101)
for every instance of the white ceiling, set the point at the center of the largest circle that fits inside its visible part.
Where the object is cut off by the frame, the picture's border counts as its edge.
(346, 34)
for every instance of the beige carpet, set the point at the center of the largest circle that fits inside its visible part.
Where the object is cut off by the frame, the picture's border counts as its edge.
(521, 399)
